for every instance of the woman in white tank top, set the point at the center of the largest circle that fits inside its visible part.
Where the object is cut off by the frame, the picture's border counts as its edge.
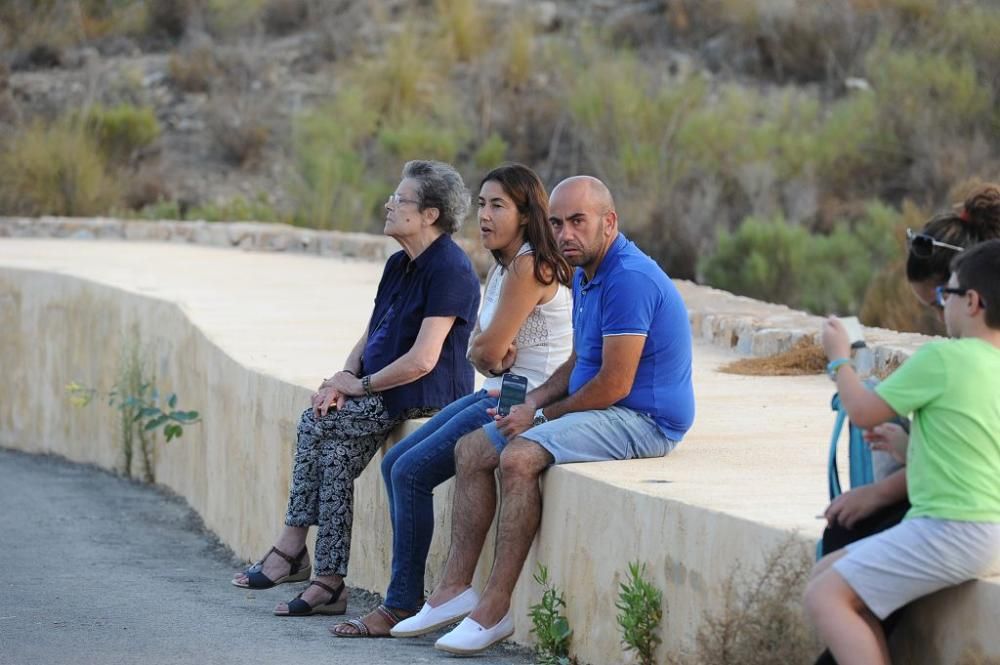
(524, 326)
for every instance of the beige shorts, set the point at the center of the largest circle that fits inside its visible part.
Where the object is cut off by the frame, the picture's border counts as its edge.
(917, 557)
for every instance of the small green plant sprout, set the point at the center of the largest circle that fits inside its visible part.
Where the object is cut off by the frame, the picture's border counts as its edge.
(141, 408)
(640, 606)
(549, 624)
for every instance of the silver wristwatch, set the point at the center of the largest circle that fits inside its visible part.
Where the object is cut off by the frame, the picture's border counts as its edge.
(540, 418)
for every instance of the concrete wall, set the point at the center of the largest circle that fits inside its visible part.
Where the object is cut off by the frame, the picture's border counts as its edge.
(742, 483)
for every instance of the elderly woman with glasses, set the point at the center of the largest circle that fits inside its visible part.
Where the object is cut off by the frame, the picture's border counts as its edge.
(869, 509)
(410, 362)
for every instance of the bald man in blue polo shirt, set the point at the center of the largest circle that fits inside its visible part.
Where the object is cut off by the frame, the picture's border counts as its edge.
(624, 393)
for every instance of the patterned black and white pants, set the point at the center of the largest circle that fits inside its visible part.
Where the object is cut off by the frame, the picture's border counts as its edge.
(331, 453)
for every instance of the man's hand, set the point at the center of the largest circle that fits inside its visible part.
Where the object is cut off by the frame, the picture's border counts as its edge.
(325, 398)
(520, 419)
(836, 342)
(853, 506)
(890, 438)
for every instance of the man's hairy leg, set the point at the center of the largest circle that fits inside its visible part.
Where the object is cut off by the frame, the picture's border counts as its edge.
(521, 464)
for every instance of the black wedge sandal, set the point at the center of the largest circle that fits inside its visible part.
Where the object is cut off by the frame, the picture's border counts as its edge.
(300, 608)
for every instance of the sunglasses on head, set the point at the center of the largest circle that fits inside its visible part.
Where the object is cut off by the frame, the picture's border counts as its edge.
(922, 245)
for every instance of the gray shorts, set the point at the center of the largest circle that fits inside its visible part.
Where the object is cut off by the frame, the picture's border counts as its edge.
(615, 433)
(917, 557)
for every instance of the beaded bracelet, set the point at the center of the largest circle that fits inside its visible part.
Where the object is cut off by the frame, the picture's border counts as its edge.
(366, 383)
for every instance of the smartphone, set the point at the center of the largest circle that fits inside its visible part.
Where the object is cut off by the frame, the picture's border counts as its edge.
(854, 332)
(513, 390)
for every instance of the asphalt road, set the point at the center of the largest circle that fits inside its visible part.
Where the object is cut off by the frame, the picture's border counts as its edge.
(99, 570)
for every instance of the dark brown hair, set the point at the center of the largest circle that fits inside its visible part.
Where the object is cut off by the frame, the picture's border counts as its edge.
(979, 269)
(526, 190)
(976, 220)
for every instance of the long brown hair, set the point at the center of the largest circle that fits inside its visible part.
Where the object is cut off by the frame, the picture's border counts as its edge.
(526, 190)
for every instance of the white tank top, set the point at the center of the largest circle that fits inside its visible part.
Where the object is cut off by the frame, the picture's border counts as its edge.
(544, 340)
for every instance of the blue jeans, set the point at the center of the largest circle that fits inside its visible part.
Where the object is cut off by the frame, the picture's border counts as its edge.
(411, 470)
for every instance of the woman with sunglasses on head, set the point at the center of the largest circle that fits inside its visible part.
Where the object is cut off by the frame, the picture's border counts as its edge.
(409, 363)
(524, 327)
(934, 246)
(873, 508)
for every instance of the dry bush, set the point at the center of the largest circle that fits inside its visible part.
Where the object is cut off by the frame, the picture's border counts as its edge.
(239, 130)
(145, 188)
(282, 17)
(193, 71)
(762, 620)
(168, 18)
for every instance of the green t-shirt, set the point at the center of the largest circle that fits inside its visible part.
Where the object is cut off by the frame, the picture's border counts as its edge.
(952, 388)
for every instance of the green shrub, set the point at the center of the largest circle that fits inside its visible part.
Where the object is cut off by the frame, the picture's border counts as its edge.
(917, 89)
(518, 55)
(549, 624)
(640, 610)
(423, 137)
(333, 187)
(167, 209)
(237, 209)
(771, 260)
(393, 85)
(490, 152)
(122, 130)
(231, 17)
(55, 170)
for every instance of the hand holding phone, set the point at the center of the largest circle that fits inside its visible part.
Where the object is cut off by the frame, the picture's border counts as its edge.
(513, 390)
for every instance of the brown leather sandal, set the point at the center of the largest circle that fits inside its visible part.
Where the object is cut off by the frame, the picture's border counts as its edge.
(299, 571)
(300, 608)
(361, 629)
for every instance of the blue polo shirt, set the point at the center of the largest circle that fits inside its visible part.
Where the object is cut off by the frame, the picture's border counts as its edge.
(631, 295)
(439, 282)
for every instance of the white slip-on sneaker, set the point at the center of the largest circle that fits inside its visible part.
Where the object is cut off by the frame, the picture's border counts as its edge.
(469, 637)
(429, 619)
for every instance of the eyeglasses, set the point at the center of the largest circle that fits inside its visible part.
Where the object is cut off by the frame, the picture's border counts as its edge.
(942, 293)
(922, 245)
(395, 200)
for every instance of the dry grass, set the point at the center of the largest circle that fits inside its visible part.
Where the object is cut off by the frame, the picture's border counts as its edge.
(55, 170)
(975, 656)
(805, 357)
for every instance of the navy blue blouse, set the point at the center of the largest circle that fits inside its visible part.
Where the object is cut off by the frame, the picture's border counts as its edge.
(439, 282)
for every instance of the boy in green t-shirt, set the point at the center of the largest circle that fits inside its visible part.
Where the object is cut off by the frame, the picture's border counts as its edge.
(952, 532)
